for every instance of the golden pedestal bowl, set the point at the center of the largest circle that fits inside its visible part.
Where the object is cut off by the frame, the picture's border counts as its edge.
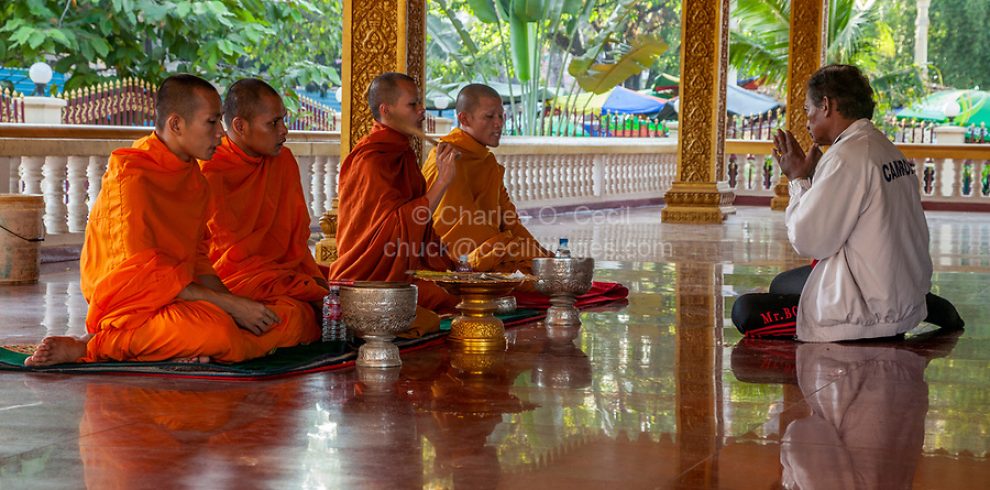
(476, 328)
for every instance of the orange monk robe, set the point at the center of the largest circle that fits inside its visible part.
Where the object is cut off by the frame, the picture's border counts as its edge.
(259, 230)
(476, 217)
(145, 242)
(383, 222)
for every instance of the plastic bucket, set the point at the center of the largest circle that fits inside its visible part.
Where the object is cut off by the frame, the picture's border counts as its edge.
(21, 232)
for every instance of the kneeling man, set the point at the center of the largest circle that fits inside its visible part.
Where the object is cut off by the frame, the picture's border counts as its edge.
(856, 210)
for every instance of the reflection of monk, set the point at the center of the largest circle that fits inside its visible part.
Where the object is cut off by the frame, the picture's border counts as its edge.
(868, 422)
(476, 217)
(132, 436)
(259, 222)
(153, 294)
(385, 205)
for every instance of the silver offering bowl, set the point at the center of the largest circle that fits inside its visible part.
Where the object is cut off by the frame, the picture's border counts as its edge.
(376, 311)
(505, 305)
(563, 279)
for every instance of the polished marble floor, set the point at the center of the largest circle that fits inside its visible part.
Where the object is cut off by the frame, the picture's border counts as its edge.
(658, 393)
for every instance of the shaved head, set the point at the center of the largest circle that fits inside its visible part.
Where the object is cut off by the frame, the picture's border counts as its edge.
(385, 89)
(243, 98)
(470, 96)
(178, 95)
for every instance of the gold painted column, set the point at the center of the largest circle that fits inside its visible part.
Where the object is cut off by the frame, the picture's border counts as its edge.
(698, 196)
(379, 36)
(808, 41)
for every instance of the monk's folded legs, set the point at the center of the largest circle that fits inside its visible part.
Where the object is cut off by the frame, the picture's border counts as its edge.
(185, 329)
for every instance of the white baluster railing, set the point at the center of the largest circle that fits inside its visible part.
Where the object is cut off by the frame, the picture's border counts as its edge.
(66, 165)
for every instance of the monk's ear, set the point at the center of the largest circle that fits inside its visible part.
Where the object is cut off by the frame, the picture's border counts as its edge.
(174, 123)
(384, 109)
(462, 119)
(238, 125)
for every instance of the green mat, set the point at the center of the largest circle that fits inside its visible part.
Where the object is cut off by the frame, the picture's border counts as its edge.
(283, 362)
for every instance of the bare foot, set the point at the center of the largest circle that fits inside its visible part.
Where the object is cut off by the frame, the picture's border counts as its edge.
(192, 360)
(57, 350)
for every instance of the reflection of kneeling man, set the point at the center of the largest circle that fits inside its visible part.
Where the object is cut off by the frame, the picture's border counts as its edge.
(858, 213)
(867, 428)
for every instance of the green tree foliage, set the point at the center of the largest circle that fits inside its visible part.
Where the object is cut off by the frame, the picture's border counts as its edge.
(959, 42)
(290, 43)
(873, 35)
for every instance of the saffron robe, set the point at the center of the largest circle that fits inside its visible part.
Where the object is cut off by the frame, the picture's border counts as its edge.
(384, 226)
(144, 243)
(259, 229)
(476, 217)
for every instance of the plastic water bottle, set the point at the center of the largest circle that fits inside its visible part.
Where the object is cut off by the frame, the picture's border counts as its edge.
(463, 265)
(562, 251)
(333, 327)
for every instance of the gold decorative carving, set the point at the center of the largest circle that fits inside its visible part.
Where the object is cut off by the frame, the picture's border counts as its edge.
(808, 38)
(371, 42)
(695, 197)
(416, 54)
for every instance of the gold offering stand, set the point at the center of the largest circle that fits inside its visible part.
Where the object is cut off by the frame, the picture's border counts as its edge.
(476, 328)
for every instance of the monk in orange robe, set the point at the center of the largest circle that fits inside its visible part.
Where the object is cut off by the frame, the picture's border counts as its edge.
(384, 225)
(152, 292)
(259, 222)
(476, 217)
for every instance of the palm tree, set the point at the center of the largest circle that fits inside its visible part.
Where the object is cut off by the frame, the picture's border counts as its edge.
(759, 43)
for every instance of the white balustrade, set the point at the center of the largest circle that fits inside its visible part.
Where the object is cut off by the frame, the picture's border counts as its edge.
(68, 164)
(77, 209)
(318, 184)
(94, 174)
(30, 173)
(53, 187)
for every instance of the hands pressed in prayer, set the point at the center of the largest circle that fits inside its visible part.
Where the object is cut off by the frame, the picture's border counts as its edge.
(794, 163)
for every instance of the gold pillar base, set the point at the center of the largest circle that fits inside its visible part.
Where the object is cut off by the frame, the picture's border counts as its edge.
(326, 249)
(781, 195)
(697, 203)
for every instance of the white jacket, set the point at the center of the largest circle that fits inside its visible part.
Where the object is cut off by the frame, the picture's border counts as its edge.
(862, 219)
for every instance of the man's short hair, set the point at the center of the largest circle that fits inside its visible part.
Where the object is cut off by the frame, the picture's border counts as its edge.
(242, 99)
(384, 89)
(847, 87)
(469, 96)
(174, 96)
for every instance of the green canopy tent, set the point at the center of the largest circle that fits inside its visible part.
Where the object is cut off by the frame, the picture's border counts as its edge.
(974, 108)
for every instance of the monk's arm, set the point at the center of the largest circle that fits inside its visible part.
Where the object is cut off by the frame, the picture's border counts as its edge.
(446, 155)
(249, 315)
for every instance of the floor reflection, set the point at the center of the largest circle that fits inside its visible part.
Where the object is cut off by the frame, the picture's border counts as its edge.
(658, 393)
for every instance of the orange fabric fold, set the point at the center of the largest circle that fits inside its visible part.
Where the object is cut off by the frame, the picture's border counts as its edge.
(145, 242)
(476, 217)
(384, 227)
(259, 225)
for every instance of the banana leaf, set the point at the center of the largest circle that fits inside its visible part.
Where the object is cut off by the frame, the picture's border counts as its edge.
(601, 77)
(519, 39)
(528, 10)
(484, 10)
